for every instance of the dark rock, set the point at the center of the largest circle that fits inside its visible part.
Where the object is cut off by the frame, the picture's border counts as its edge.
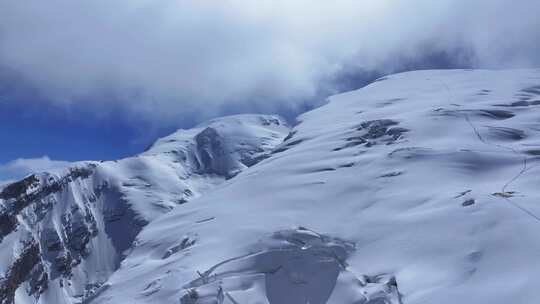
(19, 198)
(375, 132)
(468, 202)
(63, 264)
(391, 174)
(19, 188)
(186, 243)
(18, 272)
(38, 281)
(51, 240)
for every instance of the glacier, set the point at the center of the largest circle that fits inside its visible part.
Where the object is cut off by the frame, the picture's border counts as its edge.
(418, 188)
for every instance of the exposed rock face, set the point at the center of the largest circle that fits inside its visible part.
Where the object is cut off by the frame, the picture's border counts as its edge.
(20, 195)
(62, 234)
(19, 188)
(373, 132)
(211, 151)
(26, 266)
(28, 203)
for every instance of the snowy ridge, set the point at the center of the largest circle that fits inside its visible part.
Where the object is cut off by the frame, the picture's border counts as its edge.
(419, 188)
(63, 234)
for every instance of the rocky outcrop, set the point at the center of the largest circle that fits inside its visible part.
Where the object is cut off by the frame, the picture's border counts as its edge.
(32, 190)
(27, 266)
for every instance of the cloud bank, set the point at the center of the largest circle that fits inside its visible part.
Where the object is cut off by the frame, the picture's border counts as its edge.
(20, 167)
(159, 60)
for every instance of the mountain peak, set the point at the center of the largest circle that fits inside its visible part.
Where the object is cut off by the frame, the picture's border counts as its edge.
(404, 191)
(63, 233)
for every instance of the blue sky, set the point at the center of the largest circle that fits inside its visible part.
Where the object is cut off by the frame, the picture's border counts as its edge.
(103, 79)
(40, 136)
(32, 130)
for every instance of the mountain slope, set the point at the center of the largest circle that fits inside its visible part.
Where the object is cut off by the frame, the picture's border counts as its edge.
(419, 188)
(63, 233)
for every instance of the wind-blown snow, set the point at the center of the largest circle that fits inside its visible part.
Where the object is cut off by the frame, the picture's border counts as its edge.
(419, 188)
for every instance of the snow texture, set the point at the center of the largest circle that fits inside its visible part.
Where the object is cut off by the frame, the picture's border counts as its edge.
(419, 188)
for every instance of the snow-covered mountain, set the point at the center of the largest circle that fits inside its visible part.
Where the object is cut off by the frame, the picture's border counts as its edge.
(419, 188)
(62, 234)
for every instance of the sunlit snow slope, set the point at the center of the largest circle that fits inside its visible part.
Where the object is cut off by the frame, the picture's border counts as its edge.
(62, 234)
(419, 188)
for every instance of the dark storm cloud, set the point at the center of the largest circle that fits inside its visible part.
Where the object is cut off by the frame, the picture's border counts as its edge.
(160, 59)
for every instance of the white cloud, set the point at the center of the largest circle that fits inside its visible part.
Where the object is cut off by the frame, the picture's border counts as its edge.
(20, 167)
(157, 59)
